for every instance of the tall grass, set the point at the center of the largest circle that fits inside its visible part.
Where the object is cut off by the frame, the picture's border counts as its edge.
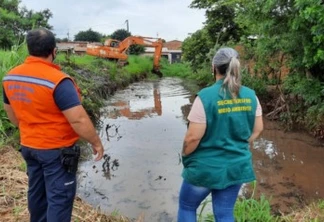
(8, 60)
(182, 70)
(139, 65)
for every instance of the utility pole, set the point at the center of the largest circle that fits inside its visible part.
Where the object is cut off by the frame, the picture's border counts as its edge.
(68, 35)
(127, 24)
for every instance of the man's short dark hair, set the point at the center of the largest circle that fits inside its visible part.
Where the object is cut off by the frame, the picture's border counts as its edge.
(40, 42)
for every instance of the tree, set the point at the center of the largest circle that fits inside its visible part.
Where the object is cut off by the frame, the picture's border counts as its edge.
(15, 22)
(88, 36)
(220, 28)
(121, 34)
(195, 49)
(291, 28)
(220, 25)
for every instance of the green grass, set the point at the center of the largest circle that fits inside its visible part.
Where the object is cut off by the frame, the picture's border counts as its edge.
(245, 209)
(139, 65)
(8, 60)
(181, 70)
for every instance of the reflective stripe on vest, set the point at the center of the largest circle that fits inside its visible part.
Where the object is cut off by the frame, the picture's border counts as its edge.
(27, 79)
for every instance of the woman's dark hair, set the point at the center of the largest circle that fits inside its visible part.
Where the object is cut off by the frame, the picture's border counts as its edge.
(40, 42)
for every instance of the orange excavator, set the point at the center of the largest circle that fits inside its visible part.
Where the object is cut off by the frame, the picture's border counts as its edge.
(117, 50)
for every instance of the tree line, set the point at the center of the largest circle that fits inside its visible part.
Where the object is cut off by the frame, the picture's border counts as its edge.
(273, 33)
(15, 21)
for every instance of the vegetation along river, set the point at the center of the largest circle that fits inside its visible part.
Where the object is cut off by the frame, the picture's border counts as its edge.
(143, 128)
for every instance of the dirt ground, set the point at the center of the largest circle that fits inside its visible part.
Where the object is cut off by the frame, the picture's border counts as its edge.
(13, 191)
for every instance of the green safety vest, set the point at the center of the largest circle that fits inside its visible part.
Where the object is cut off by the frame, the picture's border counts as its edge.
(223, 156)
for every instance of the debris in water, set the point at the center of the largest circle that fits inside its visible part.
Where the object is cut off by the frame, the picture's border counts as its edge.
(108, 165)
(116, 133)
(160, 178)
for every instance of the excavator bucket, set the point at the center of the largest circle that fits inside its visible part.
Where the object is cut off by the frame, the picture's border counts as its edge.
(157, 72)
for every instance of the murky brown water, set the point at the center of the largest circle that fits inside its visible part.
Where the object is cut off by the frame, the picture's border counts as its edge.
(145, 125)
(289, 168)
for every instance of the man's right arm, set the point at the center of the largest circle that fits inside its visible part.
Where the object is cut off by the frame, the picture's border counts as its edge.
(67, 99)
(82, 125)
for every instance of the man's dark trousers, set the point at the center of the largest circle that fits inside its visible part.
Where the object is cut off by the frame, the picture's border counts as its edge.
(51, 188)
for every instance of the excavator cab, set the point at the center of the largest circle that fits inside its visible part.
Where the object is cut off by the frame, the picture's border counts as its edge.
(112, 43)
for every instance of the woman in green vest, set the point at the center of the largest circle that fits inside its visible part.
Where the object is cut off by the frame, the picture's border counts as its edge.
(224, 120)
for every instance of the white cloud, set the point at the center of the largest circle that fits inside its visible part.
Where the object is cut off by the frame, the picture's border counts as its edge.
(170, 19)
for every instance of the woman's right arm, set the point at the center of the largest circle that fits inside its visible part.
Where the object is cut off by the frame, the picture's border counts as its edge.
(258, 128)
(258, 124)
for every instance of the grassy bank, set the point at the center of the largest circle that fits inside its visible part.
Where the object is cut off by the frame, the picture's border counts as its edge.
(99, 78)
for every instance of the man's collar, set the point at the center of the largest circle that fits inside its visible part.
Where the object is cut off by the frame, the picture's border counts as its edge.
(34, 59)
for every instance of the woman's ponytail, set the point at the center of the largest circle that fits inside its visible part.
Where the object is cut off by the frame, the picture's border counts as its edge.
(232, 81)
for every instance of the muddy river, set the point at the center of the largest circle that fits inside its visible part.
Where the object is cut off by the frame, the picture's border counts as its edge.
(143, 129)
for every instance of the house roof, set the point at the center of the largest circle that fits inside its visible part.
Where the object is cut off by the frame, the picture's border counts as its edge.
(77, 46)
(173, 45)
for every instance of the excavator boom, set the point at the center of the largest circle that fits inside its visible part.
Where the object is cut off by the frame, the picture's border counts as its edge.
(116, 50)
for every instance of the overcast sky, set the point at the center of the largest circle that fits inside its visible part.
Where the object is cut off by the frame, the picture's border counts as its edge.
(167, 19)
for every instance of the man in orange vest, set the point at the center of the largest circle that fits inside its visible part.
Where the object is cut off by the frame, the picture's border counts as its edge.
(45, 104)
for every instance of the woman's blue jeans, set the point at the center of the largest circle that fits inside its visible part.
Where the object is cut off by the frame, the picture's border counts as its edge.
(223, 202)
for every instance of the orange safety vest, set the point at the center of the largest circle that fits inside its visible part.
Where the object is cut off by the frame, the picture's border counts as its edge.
(30, 90)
